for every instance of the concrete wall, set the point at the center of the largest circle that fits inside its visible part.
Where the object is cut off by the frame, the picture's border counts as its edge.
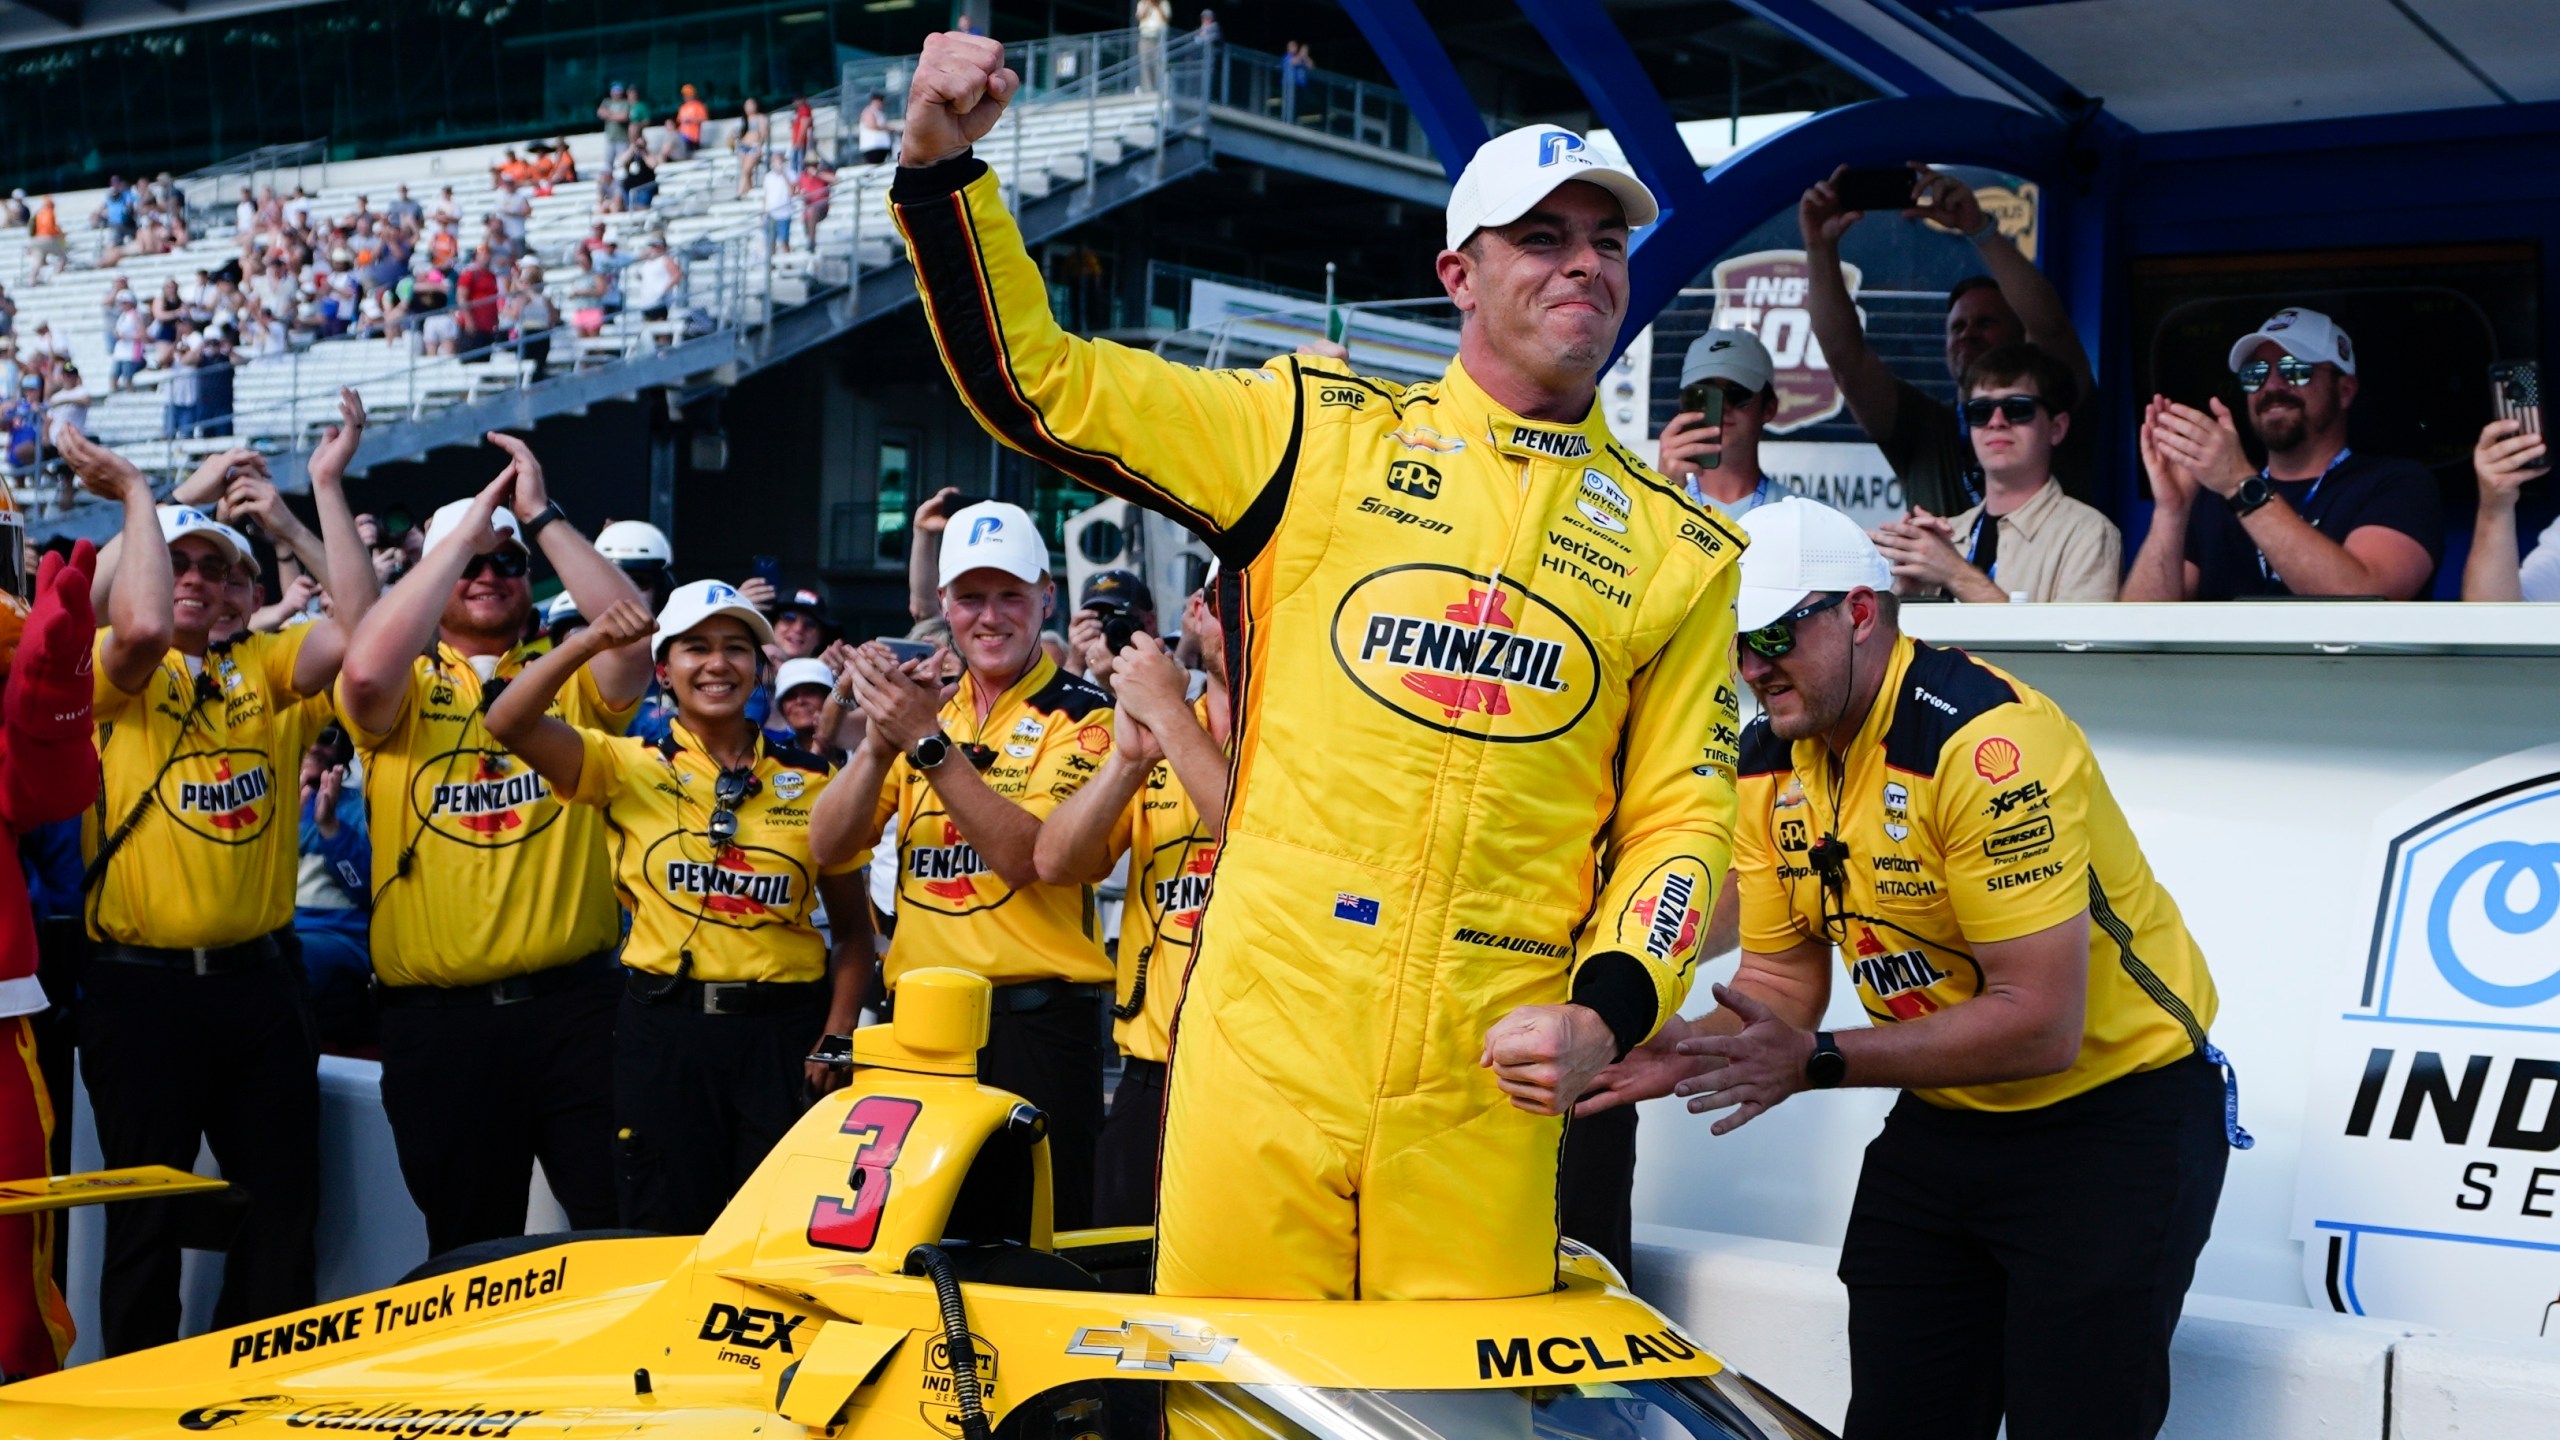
(2245, 1370)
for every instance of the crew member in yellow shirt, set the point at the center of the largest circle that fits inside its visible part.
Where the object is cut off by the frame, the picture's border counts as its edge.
(972, 782)
(194, 1024)
(727, 992)
(1161, 800)
(2025, 1227)
(494, 923)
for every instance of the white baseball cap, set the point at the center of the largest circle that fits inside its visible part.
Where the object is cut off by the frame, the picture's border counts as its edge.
(177, 522)
(563, 606)
(2304, 334)
(1735, 355)
(702, 600)
(1513, 171)
(448, 521)
(992, 535)
(1801, 547)
(803, 671)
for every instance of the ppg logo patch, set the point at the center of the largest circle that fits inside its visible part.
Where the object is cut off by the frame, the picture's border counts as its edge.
(1555, 145)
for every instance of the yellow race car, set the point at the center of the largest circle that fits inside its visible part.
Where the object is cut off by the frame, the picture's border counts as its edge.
(871, 1282)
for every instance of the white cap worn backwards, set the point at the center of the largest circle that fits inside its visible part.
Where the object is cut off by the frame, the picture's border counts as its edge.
(1512, 172)
(992, 535)
(1802, 547)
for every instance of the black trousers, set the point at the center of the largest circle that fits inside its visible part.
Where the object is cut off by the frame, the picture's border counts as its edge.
(1052, 1057)
(1124, 1159)
(476, 1093)
(171, 1058)
(2030, 1264)
(1596, 1186)
(700, 1099)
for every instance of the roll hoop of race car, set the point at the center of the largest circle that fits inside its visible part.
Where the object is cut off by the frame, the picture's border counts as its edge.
(864, 1284)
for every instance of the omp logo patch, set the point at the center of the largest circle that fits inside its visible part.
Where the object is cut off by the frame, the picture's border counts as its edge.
(1464, 654)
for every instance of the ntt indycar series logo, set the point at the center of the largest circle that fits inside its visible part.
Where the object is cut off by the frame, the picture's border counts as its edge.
(1465, 653)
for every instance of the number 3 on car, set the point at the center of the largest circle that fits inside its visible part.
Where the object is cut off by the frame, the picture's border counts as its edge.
(882, 1121)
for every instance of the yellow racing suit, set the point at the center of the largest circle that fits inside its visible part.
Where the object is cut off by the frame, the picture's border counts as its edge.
(1483, 759)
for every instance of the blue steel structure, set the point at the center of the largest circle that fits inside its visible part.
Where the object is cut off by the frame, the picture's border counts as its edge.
(1957, 91)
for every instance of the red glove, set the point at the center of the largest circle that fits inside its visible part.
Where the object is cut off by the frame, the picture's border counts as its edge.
(50, 682)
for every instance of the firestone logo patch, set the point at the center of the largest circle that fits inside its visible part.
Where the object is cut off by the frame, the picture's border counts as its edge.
(1465, 654)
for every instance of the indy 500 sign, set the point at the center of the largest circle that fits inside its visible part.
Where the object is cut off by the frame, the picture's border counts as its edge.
(2430, 1181)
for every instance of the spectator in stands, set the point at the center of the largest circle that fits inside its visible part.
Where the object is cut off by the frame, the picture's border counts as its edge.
(297, 210)
(1154, 18)
(214, 372)
(446, 210)
(801, 688)
(161, 323)
(1208, 27)
(120, 214)
(2317, 519)
(781, 202)
(800, 624)
(513, 208)
(178, 410)
(8, 314)
(639, 179)
(332, 896)
(804, 133)
(275, 289)
(651, 285)
(871, 133)
(753, 144)
(2507, 456)
(1920, 437)
(23, 418)
(445, 246)
(642, 115)
(614, 112)
(1720, 463)
(133, 337)
(531, 317)
(816, 186)
(14, 213)
(406, 213)
(67, 404)
(2026, 540)
(685, 136)
(431, 305)
(265, 333)
(477, 299)
(1297, 63)
(46, 249)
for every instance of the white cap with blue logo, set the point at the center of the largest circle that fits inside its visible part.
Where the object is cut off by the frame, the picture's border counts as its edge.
(992, 535)
(702, 600)
(1513, 171)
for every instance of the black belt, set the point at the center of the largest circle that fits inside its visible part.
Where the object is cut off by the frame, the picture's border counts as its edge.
(1029, 995)
(506, 989)
(1133, 1068)
(201, 960)
(725, 997)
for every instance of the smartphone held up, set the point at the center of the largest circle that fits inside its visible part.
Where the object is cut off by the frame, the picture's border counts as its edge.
(2517, 387)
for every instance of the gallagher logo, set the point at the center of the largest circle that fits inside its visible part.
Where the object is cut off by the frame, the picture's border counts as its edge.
(237, 1412)
(1463, 654)
(482, 797)
(945, 874)
(747, 888)
(226, 802)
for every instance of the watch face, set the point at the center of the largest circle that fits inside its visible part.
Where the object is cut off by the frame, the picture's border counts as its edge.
(1825, 1068)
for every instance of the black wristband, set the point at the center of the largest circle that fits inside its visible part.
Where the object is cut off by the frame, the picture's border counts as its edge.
(1615, 985)
(532, 529)
(915, 184)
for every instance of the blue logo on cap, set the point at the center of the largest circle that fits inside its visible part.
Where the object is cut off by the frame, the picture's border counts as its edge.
(719, 595)
(1557, 144)
(984, 526)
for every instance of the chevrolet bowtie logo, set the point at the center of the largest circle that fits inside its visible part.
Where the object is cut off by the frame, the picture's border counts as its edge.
(1146, 1345)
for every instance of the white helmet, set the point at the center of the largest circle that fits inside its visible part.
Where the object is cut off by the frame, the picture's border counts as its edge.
(630, 543)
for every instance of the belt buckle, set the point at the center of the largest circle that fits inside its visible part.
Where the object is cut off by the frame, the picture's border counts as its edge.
(203, 961)
(510, 989)
(716, 997)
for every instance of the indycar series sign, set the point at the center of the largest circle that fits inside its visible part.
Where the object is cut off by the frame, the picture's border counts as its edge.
(2430, 1181)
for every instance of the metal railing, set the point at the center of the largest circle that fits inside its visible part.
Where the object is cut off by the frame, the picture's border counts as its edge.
(213, 193)
(1271, 87)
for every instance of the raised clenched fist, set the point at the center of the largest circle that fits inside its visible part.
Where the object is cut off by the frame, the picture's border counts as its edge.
(959, 92)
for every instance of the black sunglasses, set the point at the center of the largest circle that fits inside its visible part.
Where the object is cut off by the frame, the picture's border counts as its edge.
(213, 568)
(1777, 639)
(2295, 370)
(508, 563)
(728, 793)
(2018, 408)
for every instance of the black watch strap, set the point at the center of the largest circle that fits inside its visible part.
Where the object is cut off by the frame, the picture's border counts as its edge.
(2252, 496)
(533, 528)
(1826, 1067)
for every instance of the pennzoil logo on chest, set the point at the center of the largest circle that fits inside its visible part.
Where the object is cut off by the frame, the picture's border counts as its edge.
(1465, 654)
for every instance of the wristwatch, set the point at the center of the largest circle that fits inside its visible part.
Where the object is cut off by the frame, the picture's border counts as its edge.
(1826, 1067)
(533, 528)
(930, 751)
(2252, 496)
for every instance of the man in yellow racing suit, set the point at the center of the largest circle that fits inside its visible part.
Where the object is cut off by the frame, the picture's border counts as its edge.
(1483, 784)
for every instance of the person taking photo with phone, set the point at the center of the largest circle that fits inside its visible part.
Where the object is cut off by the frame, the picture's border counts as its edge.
(1727, 399)
(1161, 800)
(728, 987)
(2511, 453)
(494, 921)
(973, 782)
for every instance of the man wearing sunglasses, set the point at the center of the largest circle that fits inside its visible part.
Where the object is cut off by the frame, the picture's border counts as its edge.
(974, 780)
(494, 917)
(2026, 540)
(2319, 518)
(190, 1015)
(2025, 1226)
(1483, 734)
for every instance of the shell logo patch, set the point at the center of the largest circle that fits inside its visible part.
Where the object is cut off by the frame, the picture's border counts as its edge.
(1995, 759)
